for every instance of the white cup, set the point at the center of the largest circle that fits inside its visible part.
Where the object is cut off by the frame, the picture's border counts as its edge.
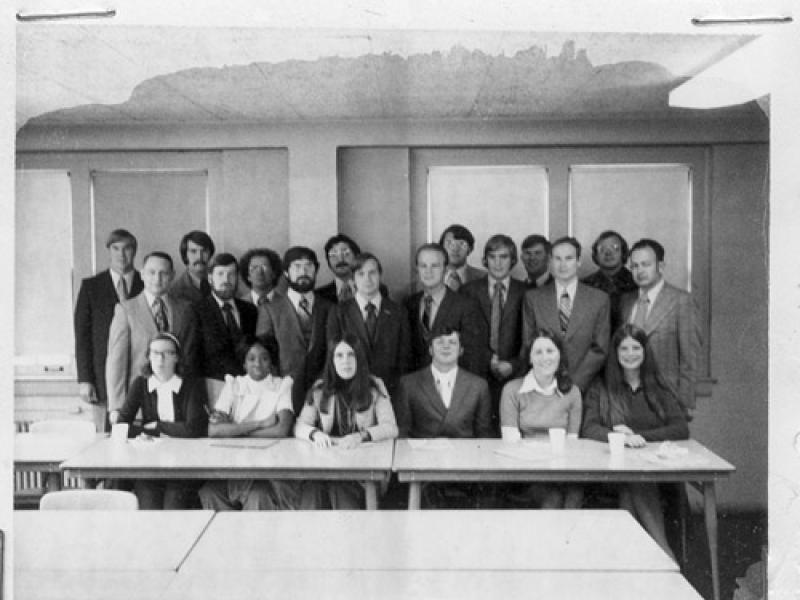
(119, 433)
(616, 444)
(558, 436)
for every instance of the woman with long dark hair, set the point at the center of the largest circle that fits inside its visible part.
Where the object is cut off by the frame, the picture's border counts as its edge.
(346, 408)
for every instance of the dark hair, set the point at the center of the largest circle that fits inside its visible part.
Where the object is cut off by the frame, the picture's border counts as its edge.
(568, 240)
(341, 238)
(534, 240)
(161, 255)
(436, 248)
(299, 253)
(441, 330)
(612, 407)
(355, 392)
(362, 258)
(497, 242)
(247, 342)
(271, 256)
(657, 248)
(122, 235)
(604, 236)
(223, 259)
(563, 379)
(459, 233)
(201, 238)
(147, 369)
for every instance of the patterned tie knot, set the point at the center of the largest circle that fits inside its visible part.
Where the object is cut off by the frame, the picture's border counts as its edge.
(263, 299)
(304, 304)
(455, 281)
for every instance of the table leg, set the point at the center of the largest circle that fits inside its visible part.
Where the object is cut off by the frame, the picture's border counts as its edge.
(710, 505)
(53, 481)
(371, 489)
(414, 495)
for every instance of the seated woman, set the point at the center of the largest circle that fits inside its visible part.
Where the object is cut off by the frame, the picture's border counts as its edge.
(257, 404)
(171, 406)
(544, 398)
(346, 408)
(634, 399)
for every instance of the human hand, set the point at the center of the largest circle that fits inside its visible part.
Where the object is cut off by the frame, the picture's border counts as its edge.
(151, 426)
(349, 441)
(322, 440)
(623, 429)
(501, 369)
(634, 440)
(217, 416)
(88, 393)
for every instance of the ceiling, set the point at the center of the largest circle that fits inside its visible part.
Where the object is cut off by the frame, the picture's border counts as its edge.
(135, 75)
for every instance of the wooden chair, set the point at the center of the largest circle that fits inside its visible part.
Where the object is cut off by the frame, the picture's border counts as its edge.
(89, 500)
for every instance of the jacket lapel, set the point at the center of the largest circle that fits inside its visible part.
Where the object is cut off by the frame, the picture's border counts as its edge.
(661, 308)
(432, 396)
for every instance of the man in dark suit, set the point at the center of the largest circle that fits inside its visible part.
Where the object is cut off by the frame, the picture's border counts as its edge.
(500, 298)
(223, 321)
(260, 269)
(380, 323)
(535, 250)
(459, 243)
(137, 320)
(293, 324)
(437, 306)
(610, 253)
(575, 312)
(196, 250)
(93, 313)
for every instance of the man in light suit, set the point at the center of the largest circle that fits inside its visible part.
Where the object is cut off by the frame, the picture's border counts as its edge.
(260, 269)
(135, 323)
(500, 298)
(535, 250)
(668, 316)
(459, 243)
(293, 324)
(437, 306)
(380, 323)
(196, 250)
(575, 312)
(93, 313)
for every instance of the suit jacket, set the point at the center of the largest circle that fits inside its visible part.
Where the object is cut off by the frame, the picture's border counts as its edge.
(470, 274)
(132, 328)
(189, 404)
(459, 312)
(279, 327)
(328, 291)
(586, 339)
(183, 288)
(531, 284)
(216, 346)
(422, 414)
(674, 338)
(389, 353)
(93, 313)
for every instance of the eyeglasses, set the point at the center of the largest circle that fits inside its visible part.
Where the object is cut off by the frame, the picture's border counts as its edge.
(343, 253)
(257, 268)
(605, 247)
(163, 353)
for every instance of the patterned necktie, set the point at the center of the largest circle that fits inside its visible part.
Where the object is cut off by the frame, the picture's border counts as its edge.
(263, 299)
(427, 311)
(304, 314)
(564, 311)
(160, 315)
(372, 321)
(496, 315)
(122, 289)
(454, 281)
(641, 311)
(230, 321)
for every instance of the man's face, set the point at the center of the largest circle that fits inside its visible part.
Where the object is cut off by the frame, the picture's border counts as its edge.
(197, 258)
(156, 275)
(445, 350)
(340, 258)
(564, 262)
(645, 268)
(368, 279)
(535, 260)
(223, 280)
(430, 268)
(301, 275)
(260, 274)
(121, 255)
(609, 253)
(457, 250)
(499, 262)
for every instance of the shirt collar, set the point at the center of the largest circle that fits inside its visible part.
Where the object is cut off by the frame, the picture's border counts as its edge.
(151, 298)
(221, 302)
(570, 288)
(437, 296)
(362, 302)
(173, 384)
(530, 384)
(653, 292)
(442, 376)
(295, 296)
(505, 281)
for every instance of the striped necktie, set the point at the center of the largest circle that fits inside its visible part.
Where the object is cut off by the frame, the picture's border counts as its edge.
(564, 311)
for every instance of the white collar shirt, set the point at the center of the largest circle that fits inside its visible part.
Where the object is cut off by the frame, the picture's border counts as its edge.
(505, 282)
(362, 304)
(445, 382)
(294, 297)
(437, 297)
(571, 288)
(651, 294)
(531, 384)
(234, 310)
(164, 395)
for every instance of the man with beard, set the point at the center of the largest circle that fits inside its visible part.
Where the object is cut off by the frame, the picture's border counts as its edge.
(196, 249)
(223, 321)
(341, 252)
(293, 324)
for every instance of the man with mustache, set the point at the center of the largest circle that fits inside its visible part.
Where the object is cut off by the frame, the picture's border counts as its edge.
(341, 252)
(196, 249)
(223, 321)
(293, 324)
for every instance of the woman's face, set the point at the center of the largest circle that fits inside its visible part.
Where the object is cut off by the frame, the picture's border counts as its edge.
(544, 357)
(344, 360)
(163, 358)
(257, 363)
(630, 354)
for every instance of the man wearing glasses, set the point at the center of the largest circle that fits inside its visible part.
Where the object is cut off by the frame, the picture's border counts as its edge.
(341, 251)
(260, 269)
(610, 253)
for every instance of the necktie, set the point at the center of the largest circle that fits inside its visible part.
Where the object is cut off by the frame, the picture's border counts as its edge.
(230, 321)
(345, 293)
(496, 315)
(122, 289)
(263, 299)
(160, 315)
(372, 321)
(427, 311)
(564, 311)
(454, 281)
(641, 311)
(304, 314)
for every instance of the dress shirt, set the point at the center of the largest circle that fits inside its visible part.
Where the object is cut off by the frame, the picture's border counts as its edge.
(531, 384)
(462, 273)
(437, 300)
(570, 288)
(340, 283)
(128, 277)
(165, 391)
(294, 297)
(506, 281)
(254, 296)
(362, 304)
(445, 383)
(234, 310)
(651, 294)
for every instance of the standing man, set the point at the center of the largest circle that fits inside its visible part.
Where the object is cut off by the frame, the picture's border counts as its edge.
(223, 321)
(536, 260)
(500, 299)
(341, 252)
(196, 249)
(610, 253)
(137, 320)
(437, 306)
(575, 312)
(294, 323)
(260, 269)
(667, 314)
(93, 313)
(380, 323)
(459, 242)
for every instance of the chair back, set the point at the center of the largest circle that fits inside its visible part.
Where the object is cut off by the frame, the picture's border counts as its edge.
(74, 428)
(89, 500)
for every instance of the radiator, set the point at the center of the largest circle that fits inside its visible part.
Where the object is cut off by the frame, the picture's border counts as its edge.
(30, 481)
